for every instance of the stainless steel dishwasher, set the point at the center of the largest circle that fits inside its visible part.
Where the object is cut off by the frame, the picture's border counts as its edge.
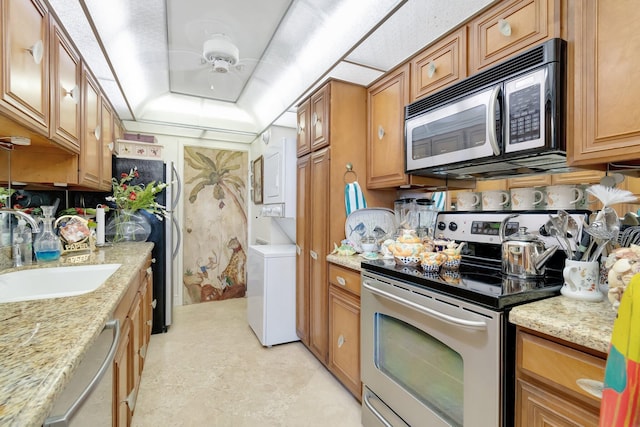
(87, 400)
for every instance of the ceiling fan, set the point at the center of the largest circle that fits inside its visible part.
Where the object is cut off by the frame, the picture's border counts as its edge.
(221, 53)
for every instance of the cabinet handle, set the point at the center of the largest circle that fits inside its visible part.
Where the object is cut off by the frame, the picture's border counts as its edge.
(504, 27)
(131, 400)
(154, 303)
(315, 120)
(74, 93)
(110, 145)
(97, 132)
(431, 69)
(298, 250)
(592, 387)
(380, 132)
(153, 260)
(143, 351)
(341, 281)
(149, 322)
(341, 341)
(149, 271)
(300, 129)
(37, 51)
(313, 255)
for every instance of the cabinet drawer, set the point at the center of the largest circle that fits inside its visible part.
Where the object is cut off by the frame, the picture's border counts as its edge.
(345, 278)
(562, 367)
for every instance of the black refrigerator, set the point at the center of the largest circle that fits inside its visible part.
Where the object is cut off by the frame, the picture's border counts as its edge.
(162, 232)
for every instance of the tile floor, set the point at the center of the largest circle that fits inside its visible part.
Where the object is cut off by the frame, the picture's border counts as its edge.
(211, 370)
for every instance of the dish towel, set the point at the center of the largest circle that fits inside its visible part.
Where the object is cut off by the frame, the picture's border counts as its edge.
(353, 197)
(620, 404)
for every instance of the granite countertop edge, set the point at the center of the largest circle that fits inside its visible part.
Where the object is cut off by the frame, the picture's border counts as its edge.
(584, 323)
(43, 341)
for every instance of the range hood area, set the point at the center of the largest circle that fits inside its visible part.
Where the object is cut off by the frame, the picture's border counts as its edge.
(544, 163)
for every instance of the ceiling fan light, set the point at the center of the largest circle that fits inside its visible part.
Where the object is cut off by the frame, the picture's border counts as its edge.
(219, 47)
(220, 66)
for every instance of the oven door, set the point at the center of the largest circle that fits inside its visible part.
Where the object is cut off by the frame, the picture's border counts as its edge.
(427, 359)
(463, 130)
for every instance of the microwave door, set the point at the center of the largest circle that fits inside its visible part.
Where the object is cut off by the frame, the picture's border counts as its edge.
(525, 121)
(457, 132)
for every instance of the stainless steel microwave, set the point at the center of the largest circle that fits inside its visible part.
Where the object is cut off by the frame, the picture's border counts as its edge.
(509, 119)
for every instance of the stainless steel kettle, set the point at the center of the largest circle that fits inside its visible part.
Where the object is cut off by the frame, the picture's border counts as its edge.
(523, 254)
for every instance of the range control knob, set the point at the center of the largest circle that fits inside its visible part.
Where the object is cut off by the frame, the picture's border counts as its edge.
(442, 226)
(453, 226)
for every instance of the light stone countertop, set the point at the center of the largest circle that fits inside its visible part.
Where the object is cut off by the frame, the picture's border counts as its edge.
(43, 341)
(587, 324)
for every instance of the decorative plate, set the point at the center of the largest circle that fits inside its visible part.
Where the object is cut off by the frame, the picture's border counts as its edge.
(379, 221)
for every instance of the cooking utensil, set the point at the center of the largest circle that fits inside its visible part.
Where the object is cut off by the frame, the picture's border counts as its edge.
(554, 227)
(604, 228)
(523, 254)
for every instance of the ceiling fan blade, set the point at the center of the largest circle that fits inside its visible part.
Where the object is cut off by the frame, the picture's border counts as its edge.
(184, 60)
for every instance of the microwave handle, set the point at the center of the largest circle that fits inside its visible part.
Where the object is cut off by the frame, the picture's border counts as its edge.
(493, 139)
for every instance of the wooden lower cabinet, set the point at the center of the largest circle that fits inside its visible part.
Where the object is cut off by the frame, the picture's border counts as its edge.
(548, 378)
(135, 315)
(344, 327)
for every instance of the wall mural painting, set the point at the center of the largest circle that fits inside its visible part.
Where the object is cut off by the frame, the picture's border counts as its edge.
(215, 215)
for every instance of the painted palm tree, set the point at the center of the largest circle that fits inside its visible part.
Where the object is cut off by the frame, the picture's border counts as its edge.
(217, 173)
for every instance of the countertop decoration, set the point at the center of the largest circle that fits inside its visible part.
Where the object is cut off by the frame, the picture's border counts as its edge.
(43, 341)
(126, 223)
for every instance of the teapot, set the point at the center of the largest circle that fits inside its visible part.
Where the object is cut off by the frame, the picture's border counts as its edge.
(523, 254)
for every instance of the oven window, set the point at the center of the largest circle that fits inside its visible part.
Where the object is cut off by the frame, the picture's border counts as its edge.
(422, 365)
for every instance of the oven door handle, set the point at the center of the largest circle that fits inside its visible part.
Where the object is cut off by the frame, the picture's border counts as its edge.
(374, 410)
(471, 324)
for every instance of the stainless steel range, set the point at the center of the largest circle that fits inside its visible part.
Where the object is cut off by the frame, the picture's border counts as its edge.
(438, 350)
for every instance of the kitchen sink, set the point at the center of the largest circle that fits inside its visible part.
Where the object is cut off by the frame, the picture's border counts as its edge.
(55, 282)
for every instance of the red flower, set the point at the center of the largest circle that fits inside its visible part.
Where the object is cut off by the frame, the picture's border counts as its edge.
(124, 175)
(132, 196)
(136, 174)
(124, 187)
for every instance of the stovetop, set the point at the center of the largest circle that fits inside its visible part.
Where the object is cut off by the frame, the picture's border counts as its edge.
(480, 279)
(480, 285)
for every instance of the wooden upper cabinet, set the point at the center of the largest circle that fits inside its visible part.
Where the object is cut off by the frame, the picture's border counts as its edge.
(24, 79)
(304, 131)
(91, 150)
(606, 74)
(385, 137)
(529, 181)
(65, 91)
(107, 144)
(320, 104)
(509, 28)
(439, 65)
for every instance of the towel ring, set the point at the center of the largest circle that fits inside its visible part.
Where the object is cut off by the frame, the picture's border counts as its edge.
(350, 170)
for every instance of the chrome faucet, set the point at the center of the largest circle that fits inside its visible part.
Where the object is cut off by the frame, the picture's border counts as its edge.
(32, 222)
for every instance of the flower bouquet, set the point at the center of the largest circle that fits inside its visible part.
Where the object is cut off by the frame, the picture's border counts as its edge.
(127, 222)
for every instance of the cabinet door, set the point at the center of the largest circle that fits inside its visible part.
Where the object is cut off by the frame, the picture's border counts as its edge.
(606, 123)
(304, 133)
(536, 406)
(319, 231)
(302, 248)
(137, 338)
(107, 144)
(122, 384)
(440, 65)
(90, 149)
(25, 62)
(344, 338)
(509, 28)
(581, 177)
(385, 136)
(65, 91)
(320, 117)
